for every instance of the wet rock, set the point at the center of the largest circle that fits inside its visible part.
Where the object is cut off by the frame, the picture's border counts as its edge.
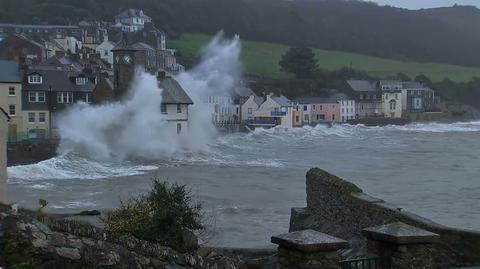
(57, 240)
(69, 253)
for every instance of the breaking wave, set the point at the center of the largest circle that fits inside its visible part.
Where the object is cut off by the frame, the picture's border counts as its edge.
(72, 166)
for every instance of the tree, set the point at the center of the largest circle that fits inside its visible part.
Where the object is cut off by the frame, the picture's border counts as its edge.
(424, 80)
(299, 61)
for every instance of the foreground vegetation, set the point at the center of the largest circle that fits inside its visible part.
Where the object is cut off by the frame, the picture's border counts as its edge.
(162, 216)
(262, 59)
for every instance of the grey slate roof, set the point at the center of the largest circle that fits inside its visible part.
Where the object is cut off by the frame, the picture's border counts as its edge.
(173, 93)
(258, 100)
(415, 85)
(141, 46)
(57, 81)
(317, 100)
(362, 85)
(243, 91)
(9, 72)
(282, 100)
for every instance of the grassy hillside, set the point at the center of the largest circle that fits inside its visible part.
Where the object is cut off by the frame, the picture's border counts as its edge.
(260, 58)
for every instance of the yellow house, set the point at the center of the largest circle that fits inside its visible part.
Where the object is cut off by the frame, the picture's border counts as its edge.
(392, 104)
(11, 95)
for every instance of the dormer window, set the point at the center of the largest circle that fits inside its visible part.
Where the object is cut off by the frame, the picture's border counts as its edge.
(35, 79)
(81, 80)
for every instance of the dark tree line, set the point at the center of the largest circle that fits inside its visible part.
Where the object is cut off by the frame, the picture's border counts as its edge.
(447, 35)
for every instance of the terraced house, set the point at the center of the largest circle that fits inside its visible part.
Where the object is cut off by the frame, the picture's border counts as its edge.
(46, 93)
(11, 95)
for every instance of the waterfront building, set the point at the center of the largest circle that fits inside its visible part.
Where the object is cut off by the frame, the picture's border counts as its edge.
(319, 109)
(274, 111)
(347, 106)
(4, 118)
(222, 108)
(391, 98)
(11, 95)
(249, 107)
(417, 98)
(368, 99)
(46, 93)
(175, 101)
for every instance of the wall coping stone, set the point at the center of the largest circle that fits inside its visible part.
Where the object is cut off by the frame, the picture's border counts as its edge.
(309, 241)
(400, 233)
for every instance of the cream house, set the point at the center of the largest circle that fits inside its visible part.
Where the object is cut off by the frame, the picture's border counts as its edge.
(11, 95)
(275, 111)
(249, 108)
(392, 104)
(4, 118)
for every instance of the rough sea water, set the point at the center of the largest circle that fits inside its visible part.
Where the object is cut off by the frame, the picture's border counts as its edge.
(249, 182)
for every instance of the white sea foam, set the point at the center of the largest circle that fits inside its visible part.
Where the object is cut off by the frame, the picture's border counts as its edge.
(72, 166)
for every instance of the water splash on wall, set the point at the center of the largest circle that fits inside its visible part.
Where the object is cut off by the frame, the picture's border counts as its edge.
(135, 128)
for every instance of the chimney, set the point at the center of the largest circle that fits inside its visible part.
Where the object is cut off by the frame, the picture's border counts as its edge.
(161, 75)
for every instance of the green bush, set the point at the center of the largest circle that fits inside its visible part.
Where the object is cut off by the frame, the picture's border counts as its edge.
(159, 216)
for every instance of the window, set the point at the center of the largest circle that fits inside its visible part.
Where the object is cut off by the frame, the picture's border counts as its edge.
(250, 111)
(333, 116)
(31, 117)
(41, 117)
(306, 118)
(163, 108)
(179, 128)
(314, 107)
(64, 97)
(297, 118)
(321, 107)
(81, 81)
(304, 108)
(179, 108)
(11, 91)
(11, 110)
(35, 79)
(393, 105)
(87, 98)
(36, 97)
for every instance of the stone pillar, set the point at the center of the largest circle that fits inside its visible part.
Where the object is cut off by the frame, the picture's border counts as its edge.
(408, 246)
(308, 249)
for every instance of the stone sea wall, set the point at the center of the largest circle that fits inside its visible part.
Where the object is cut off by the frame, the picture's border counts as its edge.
(341, 209)
(30, 241)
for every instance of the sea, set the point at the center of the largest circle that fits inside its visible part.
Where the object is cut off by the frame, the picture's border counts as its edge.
(248, 182)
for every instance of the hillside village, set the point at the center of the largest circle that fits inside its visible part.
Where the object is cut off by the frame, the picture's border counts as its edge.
(44, 69)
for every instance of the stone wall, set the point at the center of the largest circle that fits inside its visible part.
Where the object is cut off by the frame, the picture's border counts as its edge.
(42, 242)
(21, 154)
(341, 209)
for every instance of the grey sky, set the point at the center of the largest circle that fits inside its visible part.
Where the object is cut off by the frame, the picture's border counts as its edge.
(417, 4)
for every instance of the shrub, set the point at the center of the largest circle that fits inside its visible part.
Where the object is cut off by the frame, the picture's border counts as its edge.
(160, 216)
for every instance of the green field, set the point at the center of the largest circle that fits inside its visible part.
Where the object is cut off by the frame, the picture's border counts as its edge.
(261, 58)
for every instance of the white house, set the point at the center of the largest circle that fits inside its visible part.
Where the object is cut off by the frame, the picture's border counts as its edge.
(249, 107)
(347, 111)
(222, 108)
(132, 20)
(4, 118)
(274, 111)
(105, 50)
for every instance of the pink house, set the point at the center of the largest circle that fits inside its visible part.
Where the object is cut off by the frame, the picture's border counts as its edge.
(322, 109)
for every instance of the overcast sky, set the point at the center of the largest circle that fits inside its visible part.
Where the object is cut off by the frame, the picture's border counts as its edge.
(417, 4)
